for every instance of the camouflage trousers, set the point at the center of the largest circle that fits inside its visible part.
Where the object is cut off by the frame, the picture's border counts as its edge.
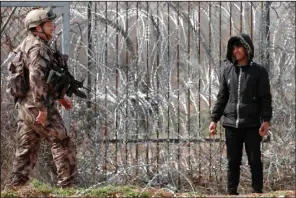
(29, 135)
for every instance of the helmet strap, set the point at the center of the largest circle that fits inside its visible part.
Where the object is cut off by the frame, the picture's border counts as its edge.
(43, 32)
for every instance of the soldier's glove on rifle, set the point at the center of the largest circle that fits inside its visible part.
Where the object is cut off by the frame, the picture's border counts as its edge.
(66, 102)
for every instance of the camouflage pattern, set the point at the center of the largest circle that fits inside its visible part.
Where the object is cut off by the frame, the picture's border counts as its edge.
(18, 82)
(40, 62)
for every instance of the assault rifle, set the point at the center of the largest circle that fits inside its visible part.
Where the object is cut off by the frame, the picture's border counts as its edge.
(62, 82)
(65, 83)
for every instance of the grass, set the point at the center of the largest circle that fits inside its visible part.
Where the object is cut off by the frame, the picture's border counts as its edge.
(41, 188)
(36, 188)
(113, 191)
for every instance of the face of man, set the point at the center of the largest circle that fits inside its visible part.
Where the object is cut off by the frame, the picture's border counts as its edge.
(48, 29)
(240, 54)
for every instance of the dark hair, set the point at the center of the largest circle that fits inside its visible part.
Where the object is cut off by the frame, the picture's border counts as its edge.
(33, 29)
(240, 40)
(237, 43)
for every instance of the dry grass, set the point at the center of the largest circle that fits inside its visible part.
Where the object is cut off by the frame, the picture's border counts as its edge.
(38, 189)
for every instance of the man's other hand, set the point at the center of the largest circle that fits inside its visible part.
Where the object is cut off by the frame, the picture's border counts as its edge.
(42, 117)
(263, 130)
(212, 128)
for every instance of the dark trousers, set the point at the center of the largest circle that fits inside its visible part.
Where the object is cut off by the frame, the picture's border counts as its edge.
(234, 144)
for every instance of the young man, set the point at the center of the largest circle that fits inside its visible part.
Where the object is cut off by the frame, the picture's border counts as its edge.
(38, 113)
(244, 99)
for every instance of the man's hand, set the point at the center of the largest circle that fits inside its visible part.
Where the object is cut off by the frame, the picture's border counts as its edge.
(66, 102)
(263, 130)
(42, 117)
(212, 128)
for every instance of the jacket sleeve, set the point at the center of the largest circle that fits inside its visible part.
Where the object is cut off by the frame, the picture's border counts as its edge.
(38, 64)
(265, 97)
(222, 99)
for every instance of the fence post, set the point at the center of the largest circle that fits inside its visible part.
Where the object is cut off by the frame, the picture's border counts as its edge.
(65, 50)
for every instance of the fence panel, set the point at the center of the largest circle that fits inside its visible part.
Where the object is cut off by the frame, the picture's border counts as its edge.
(152, 69)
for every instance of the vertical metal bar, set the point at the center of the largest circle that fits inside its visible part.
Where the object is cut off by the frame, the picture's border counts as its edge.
(148, 84)
(168, 100)
(89, 65)
(137, 88)
(89, 51)
(116, 89)
(65, 50)
(199, 97)
(96, 60)
(230, 18)
(178, 92)
(95, 50)
(295, 82)
(267, 30)
(261, 33)
(188, 94)
(261, 45)
(220, 72)
(106, 136)
(241, 17)
(251, 20)
(210, 81)
(127, 86)
(157, 79)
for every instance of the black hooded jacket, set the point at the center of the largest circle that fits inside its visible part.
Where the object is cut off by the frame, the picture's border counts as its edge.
(244, 96)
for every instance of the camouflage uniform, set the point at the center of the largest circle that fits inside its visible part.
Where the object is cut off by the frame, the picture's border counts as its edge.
(40, 61)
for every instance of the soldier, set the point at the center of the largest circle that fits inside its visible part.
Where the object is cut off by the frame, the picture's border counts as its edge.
(38, 114)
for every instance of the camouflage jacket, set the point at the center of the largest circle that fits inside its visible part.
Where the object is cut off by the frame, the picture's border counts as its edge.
(39, 61)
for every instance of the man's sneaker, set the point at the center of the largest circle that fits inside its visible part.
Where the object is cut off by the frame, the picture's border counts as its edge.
(233, 193)
(257, 191)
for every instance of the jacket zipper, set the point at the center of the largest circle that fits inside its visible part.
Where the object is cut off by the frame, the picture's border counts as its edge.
(238, 97)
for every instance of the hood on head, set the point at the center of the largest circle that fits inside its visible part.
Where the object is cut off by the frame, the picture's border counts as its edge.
(244, 40)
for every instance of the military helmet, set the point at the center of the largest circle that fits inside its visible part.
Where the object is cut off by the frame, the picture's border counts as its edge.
(38, 16)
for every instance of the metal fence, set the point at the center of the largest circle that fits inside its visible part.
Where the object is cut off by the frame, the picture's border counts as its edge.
(152, 69)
